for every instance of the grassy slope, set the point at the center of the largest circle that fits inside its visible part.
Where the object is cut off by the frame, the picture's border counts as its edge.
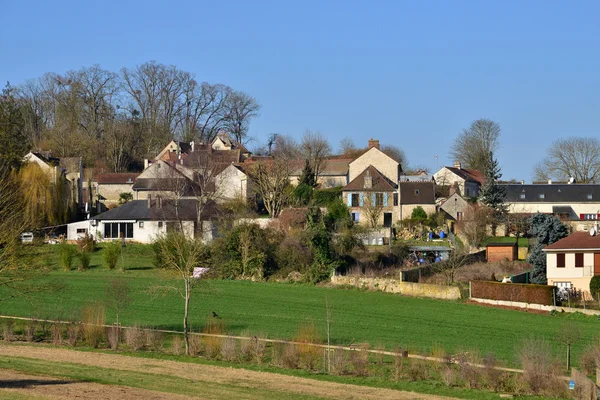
(277, 310)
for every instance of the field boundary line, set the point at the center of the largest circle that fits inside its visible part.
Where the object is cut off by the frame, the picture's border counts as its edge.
(280, 341)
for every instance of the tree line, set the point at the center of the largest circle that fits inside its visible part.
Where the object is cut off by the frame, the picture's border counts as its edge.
(120, 118)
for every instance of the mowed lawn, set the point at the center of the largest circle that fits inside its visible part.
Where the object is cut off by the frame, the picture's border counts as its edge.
(277, 310)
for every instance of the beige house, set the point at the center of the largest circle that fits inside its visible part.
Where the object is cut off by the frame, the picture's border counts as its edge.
(466, 181)
(573, 261)
(377, 196)
(109, 186)
(334, 172)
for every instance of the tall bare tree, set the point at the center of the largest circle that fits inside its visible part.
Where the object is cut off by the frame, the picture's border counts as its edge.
(397, 154)
(472, 147)
(315, 148)
(575, 157)
(271, 180)
(241, 108)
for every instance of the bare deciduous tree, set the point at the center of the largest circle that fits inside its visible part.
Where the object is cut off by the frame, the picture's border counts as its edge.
(315, 148)
(240, 110)
(396, 153)
(286, 147)
(576, 157)
(473, 225)
(372, 210)
(272, 182)
(473, 146)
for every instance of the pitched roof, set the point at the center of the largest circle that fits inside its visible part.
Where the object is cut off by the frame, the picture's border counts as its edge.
(116, 178)
(181, 185)
(577, 241)
(471, 175)
(330, 166)
(553, 193)
(379, 182)
(183, 209)
(417, 193)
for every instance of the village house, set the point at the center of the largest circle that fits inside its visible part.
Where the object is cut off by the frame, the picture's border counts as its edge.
(577, 205)
(376, 194)
(109, 186)
(142, 221)
(573, 261)
(467, 182)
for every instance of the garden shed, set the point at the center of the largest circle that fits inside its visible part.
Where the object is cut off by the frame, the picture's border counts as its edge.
(502, 252)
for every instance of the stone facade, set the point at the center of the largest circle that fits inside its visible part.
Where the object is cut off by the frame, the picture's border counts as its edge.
(397, 286)
(375, 157)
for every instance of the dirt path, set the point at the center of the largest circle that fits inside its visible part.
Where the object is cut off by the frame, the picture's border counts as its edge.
(206, 373)
(56, 388)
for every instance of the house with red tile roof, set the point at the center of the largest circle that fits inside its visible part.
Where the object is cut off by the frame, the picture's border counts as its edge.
(573, 261)
(466, 181)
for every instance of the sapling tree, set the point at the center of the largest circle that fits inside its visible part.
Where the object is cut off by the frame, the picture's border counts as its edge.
(117, 298)
(181, 255)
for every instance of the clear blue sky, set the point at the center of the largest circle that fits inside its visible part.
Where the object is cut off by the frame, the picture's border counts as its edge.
(412, 74)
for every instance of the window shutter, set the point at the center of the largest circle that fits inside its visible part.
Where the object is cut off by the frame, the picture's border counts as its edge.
(357, 217)
(373, 199)
(361, 200)
(581, 216)
(385, 199)
(349, 199)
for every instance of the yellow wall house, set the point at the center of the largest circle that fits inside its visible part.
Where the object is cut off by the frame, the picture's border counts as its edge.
(574, 260)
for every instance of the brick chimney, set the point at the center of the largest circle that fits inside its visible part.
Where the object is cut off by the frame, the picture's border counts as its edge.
(457, 165)
(374, 143)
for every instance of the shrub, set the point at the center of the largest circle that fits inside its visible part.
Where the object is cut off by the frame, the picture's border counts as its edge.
(539, 367)
(535, 294)
(417, 370)
(56, 332)
(360, 360)
(177, 345)
(112, 250)
(398, 363)
(112, 336)
(74, 333)
(7, 331)
(135, 337)
(339, 361)
(309, 355)
(212, 344)
(493, 376)
(595, 286)
(589, 358)
(94, 318)
(66, 254)
(418, 213)
(30, 330)
(195, 344)
(291, 356)
(229, 349)
(154, 340)
(449, 376)
(253, 348)
(86, 244)
(84, 258)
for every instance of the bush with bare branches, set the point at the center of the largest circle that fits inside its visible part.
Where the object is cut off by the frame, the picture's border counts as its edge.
(112, 337)
(154, 340)
(229, 350)
(94, 318)
(339, 361)
(135, 338)
(540, 368)
(177, 345)
(7, 331)
(309, 355)
(360, 360)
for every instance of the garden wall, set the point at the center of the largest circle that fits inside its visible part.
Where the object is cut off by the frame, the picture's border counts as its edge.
(397, 286)
(515, 292)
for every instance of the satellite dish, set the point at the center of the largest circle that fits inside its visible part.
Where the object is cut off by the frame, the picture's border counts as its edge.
(593, 231)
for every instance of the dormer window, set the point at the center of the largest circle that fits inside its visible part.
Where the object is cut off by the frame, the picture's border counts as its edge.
(589, 196)
(417, 191)
(542, 196)
(522, 196)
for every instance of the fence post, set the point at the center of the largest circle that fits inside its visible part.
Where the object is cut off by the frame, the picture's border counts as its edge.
(470, 289)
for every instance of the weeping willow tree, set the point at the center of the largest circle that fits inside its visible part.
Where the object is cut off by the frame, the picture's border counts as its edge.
(44, 196)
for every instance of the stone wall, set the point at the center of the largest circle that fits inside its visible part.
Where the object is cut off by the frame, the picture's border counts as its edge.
(397, 286)
(531, 306)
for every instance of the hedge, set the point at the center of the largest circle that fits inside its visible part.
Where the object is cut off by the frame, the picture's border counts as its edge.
(535, 294)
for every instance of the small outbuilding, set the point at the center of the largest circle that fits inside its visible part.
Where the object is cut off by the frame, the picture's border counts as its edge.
(502, 252)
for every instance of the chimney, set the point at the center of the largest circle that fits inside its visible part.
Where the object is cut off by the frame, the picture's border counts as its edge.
(149, 200)
(549, 181)
(374, 143)
(146, 163)
(457, 165)
(368, 180)
(192, 145)
(522, 182)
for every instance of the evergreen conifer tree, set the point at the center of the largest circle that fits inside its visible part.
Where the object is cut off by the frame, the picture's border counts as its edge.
(547, 229)
(493, 195)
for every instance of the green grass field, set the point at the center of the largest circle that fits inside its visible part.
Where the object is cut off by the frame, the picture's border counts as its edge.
(523, 242)
(277, 310)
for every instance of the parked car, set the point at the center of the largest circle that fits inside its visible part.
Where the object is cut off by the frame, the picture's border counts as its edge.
(27, 237)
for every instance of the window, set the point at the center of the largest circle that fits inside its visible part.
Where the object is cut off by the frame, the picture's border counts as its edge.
(379, 199)
(560, 260)
(563, 285)
(589, 216)
(395, 199)
(81, 231)
(459, 216)
(117, 230)
(522, 196)
(355, 216)
(589, 197)
(542, 196)
(355, 200)
(417, 191)
(141, 224)
(160, 224)
(578, 260)
(467, 192)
